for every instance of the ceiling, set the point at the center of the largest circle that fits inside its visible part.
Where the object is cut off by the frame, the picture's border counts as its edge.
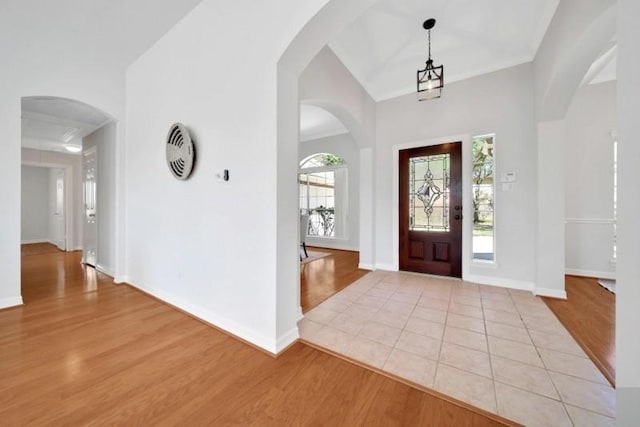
(316, 122)
(105, 34)
(385, 46)
(50, 123)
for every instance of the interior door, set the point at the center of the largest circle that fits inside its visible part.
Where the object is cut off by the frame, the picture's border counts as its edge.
(90, 227)
(431, 209)
(59, 235)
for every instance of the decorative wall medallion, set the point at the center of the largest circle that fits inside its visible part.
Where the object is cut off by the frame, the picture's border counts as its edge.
(180, 151)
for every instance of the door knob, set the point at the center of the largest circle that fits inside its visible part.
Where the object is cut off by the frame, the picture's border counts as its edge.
(457, 207)
(457, 217)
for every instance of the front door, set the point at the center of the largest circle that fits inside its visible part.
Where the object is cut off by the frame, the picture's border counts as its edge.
(431, 209)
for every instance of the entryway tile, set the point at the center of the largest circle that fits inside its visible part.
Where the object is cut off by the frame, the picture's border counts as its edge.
(465, 322)
(585, 394)
(515, 351)
(407, 298)
(530, 409)
(512, 319)
(321, 315)
(308, 328)
(526, 377)
(471, 388)
(419, 344)
(430, 314)
(583, 418)
(399, 308)
(465, 310)
(349, 324)
(507, 306)
(502, 330)
(571, 365)
(381, 333)
(548, 324)
(419, 370)
(397, 320)
(369, 352)
(469, 360)
(424, 327)
(562, 343)
(465, 338)
(333, 339)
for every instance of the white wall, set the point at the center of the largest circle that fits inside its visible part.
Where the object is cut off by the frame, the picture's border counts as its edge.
(502, 103)
(327, 83)
(343, 146)
(35, 205)
(72, 163)
(104, 139)
(190, 242)
(628, 267)
(589, 181)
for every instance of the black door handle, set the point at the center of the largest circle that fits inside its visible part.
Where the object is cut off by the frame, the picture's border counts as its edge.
(457, 217)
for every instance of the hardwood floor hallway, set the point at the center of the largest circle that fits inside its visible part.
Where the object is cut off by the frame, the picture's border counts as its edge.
(327, 276)
(85, 351)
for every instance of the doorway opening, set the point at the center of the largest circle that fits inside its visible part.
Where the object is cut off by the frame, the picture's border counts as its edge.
(329, 186)
(55, 131)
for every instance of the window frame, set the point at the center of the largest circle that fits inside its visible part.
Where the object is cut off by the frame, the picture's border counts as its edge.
(341, 229)
(479, 261)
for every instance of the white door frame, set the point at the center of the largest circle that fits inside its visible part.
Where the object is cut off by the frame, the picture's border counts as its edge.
(465, 139)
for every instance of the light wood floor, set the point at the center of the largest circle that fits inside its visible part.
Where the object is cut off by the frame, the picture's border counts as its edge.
(326, 276)
(85, 351)
(589, 314)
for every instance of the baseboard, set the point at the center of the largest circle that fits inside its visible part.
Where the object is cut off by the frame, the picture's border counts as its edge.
(32, 241)
(104, 270)
(287, 339)
(230, 326)
(120, 279)
(591, 273)
(385, 267)
(366, 266)
(10, 302)
(551, 293)
(500, 282)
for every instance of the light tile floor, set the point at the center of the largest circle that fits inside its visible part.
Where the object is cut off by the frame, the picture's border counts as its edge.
(497, 349)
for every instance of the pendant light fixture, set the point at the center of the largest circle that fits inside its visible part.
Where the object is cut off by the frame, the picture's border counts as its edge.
(430, 79)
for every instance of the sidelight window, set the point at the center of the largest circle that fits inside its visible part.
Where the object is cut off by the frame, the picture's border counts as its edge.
(483, 198)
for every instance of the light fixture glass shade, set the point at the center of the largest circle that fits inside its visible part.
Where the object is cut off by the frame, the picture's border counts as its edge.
(73, 148)
(430, 82)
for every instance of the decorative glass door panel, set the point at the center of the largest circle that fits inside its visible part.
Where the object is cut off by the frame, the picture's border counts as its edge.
(430, 232)
(429, 193)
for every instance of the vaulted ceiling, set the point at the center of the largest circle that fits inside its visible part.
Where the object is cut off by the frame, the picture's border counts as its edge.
(385, 46)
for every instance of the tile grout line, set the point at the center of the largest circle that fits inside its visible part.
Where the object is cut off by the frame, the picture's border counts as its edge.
(555, 388)
(486, 335)
(446, 318)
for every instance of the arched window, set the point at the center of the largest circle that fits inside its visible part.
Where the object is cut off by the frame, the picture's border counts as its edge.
(323, 194)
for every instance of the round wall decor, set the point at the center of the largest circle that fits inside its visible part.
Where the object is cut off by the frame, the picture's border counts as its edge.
(180, 151)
